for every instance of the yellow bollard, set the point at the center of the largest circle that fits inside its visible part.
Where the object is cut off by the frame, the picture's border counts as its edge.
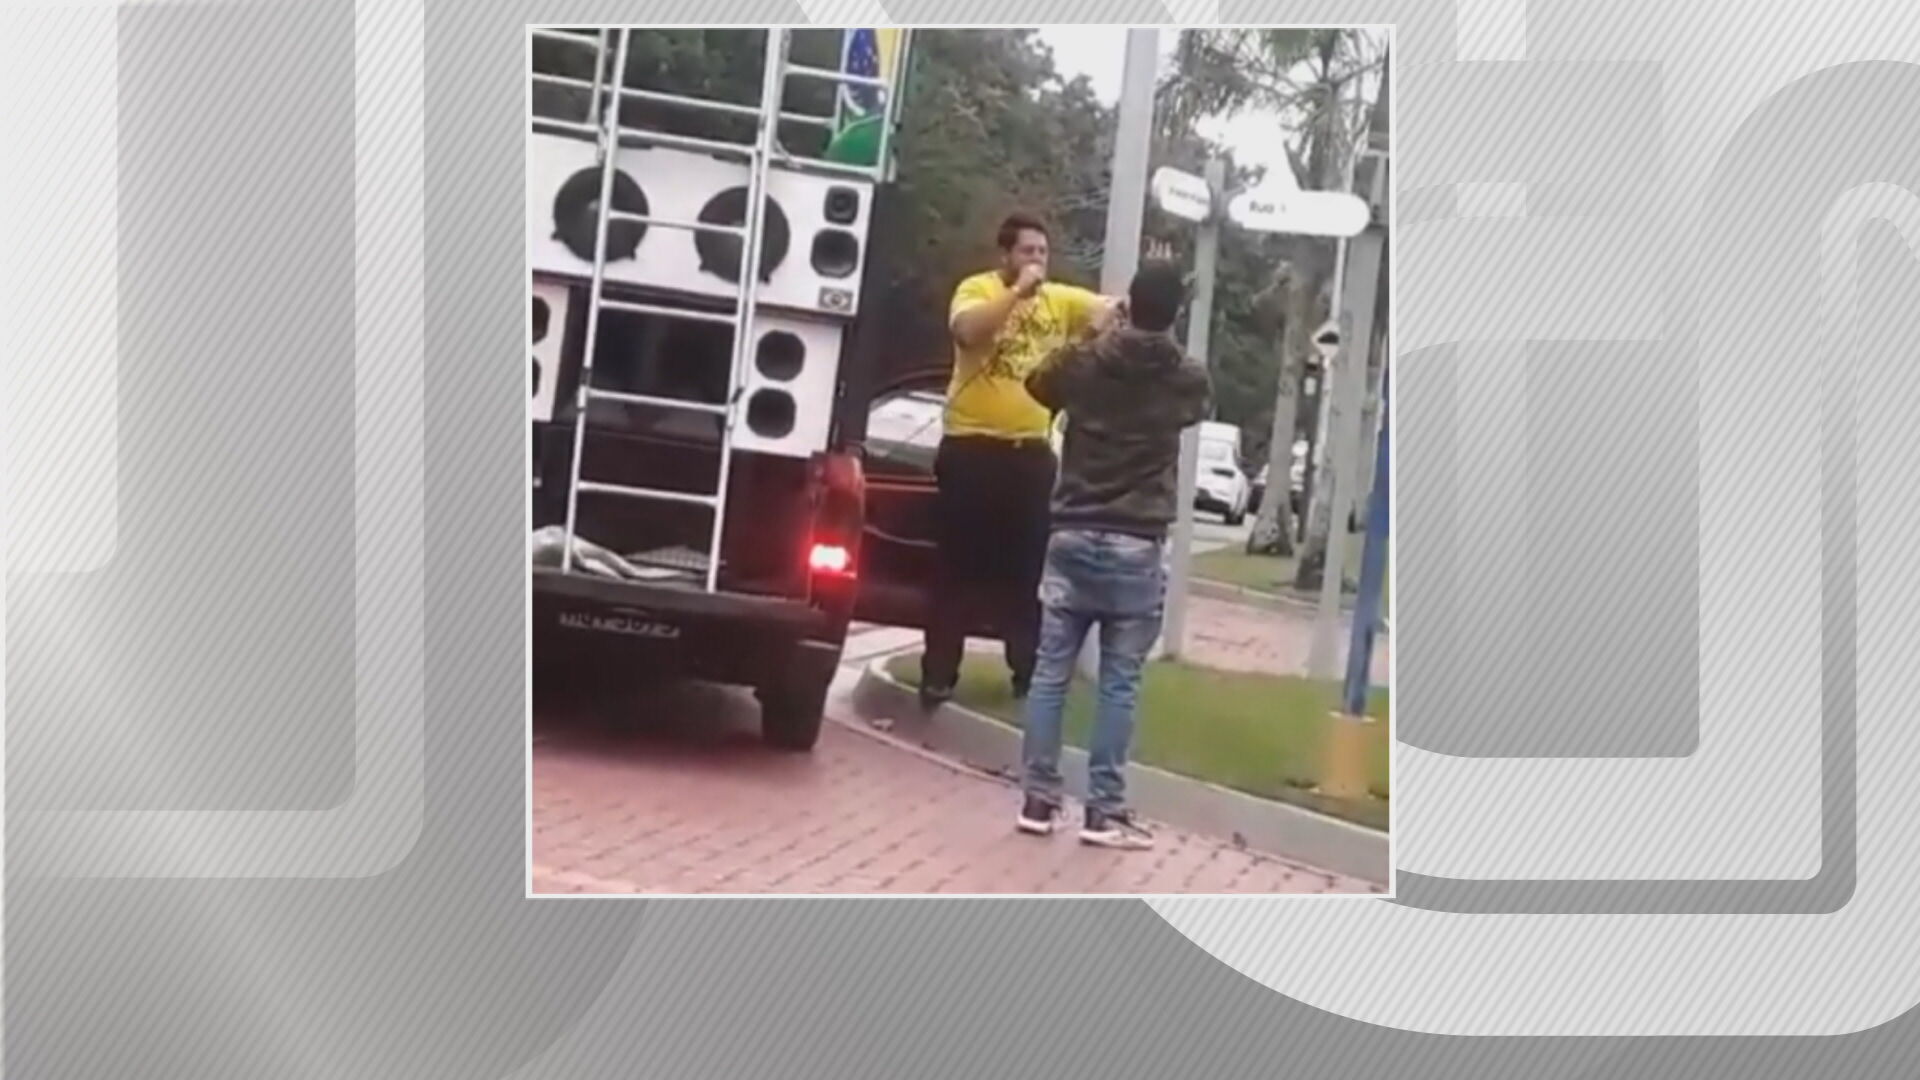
(1343, 757)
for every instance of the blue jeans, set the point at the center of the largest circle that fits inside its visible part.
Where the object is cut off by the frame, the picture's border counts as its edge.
(1117, 582)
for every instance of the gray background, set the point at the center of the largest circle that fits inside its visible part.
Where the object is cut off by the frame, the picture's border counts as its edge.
(230, 683)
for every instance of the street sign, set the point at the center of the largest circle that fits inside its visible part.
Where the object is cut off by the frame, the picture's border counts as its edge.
(1181, 194)
(1307, 213)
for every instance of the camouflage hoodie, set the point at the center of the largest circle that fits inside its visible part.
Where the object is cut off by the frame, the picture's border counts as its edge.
(1127, 394)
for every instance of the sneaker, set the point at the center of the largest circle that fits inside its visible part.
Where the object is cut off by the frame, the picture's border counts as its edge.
(1115, 830)
(1037, 816)
(932, 697)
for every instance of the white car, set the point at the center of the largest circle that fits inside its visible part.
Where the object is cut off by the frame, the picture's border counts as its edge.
(1220, 486)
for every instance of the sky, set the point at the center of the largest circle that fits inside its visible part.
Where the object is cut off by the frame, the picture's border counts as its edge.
(1099, 53)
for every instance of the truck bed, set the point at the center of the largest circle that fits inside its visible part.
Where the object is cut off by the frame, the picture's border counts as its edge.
(763, 550)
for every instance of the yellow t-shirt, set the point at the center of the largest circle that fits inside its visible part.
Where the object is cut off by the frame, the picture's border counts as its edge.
(988, 393)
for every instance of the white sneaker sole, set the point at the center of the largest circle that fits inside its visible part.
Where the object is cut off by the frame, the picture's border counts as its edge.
(1034, 828)
(1116, 840)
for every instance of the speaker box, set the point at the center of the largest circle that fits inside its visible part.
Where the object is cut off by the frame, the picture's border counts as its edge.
(551, 304)
(786, 401)
(787, 393)
(814, 243)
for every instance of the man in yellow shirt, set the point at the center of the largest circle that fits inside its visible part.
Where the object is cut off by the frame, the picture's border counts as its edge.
(996, 464)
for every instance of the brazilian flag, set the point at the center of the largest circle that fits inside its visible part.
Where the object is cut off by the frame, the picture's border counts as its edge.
(860, 113)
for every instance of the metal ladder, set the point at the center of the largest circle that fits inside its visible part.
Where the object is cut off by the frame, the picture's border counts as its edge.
(603, 123)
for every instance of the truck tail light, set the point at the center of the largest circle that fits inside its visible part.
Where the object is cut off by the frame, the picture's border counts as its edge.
(833, 544)
(832, 559)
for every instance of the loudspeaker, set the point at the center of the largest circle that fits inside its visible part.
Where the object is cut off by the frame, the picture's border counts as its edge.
(786, 401)
(787, 391)
(813, 246)
(551, 303)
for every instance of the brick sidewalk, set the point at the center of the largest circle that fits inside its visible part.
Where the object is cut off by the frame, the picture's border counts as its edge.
(716, 813)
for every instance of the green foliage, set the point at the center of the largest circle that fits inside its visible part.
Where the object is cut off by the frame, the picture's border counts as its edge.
(989, 126)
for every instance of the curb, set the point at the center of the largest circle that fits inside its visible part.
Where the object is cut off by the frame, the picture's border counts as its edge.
(1240, 594)
(1279, 829)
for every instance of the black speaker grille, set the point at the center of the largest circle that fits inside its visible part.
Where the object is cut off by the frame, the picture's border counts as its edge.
(720, 253)
(780, 355)
(771, 413)
(577, 204)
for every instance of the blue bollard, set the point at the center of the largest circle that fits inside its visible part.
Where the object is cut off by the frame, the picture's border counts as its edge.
(1373, 570)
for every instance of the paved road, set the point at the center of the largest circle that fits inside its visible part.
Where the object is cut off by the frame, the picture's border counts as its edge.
(1210, 533)
(687, 801)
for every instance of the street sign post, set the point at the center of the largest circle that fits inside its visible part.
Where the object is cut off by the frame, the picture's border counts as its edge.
(1307, 213)
(1173, 640)
(1181, 194)
(1278, 206)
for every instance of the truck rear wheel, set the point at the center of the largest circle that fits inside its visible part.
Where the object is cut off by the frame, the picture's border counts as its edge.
(792, 707)
(790, 716)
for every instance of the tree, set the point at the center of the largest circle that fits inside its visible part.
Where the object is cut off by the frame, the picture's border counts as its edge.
(1302, 74)
(1240, 360)
(1378, 137)
(1272, 532)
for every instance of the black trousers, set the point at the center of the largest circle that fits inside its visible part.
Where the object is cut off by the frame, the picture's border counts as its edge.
(992, 532)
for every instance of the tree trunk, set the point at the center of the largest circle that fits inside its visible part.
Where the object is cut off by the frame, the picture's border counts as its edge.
(1376, 366)
(1321, 528)
(1305, 307)
(1273, 530)
(1314, 551)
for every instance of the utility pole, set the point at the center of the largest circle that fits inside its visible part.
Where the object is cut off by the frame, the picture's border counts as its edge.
(1346, 380)
(1199, 323)
(1132, 145)
(1378, 139)
(1127, 198)
(1315, 512)
(1343, 770)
